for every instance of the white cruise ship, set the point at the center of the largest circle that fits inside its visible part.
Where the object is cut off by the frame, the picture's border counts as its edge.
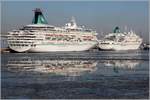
(41, 37)
(120, 41)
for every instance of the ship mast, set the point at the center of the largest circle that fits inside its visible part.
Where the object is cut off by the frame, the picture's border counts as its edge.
(73, 22)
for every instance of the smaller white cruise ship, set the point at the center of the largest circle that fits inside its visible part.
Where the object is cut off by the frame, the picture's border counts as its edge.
(120, 41)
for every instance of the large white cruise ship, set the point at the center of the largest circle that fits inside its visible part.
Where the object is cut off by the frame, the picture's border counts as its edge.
(41, 37)
(120, 41)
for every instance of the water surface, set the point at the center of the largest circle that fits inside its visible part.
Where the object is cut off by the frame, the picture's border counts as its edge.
(75, 75)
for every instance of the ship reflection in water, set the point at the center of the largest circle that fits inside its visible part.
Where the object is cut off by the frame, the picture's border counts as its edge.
(74, 76)
(69, 67)
(118, 67)
(60, 67)
(127, 64)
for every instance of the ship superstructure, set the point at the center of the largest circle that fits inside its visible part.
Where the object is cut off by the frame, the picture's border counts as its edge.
(41, 37)
(120, 41)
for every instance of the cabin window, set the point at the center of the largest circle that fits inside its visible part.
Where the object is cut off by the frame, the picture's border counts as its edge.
(53, 38)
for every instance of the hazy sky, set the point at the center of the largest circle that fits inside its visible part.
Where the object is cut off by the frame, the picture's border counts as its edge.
(99, 15)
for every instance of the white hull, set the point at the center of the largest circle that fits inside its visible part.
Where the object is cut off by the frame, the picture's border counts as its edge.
(19, 49)
(119, 46)
(55, 48)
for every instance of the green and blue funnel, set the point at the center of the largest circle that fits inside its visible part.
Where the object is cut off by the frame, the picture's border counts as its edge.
(116, 30)
(38, 17)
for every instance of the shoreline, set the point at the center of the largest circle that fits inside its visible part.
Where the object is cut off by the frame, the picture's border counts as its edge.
(5, 50)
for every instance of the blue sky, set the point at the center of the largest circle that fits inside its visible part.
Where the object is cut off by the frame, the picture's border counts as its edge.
(99, 15)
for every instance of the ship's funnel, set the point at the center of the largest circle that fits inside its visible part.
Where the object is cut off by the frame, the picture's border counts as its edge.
(38, 17)
(117, 30)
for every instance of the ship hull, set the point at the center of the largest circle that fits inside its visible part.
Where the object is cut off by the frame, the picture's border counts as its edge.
(56, 48)
(19, 49)
(119, 47)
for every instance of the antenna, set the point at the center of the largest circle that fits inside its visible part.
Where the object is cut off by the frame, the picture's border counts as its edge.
(73, 19)
(125, 28)
(37, 10)
(73, 22)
